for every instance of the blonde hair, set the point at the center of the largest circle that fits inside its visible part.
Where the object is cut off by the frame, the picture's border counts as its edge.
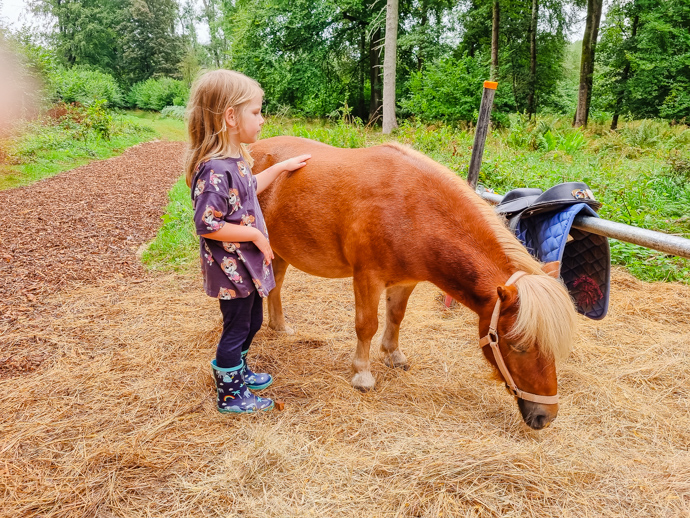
(211, 96)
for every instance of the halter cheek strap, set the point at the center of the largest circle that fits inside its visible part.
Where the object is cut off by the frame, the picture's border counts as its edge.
(491, 339)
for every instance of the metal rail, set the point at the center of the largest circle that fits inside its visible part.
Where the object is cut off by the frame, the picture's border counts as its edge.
(667, 243)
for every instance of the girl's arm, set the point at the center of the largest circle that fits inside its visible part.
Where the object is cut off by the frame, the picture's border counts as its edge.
(265, 177)
(230, 233)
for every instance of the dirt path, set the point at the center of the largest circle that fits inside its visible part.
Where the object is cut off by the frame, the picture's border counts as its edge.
(83, 225)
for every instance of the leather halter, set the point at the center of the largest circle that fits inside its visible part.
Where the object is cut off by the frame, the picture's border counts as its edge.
(492, 339)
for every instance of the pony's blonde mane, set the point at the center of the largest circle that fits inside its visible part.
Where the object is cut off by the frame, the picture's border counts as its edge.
(546, 317)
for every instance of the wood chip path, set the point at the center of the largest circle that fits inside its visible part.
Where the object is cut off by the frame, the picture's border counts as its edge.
(81, 226)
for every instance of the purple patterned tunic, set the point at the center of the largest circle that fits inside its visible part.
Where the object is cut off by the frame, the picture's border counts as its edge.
(224, 191)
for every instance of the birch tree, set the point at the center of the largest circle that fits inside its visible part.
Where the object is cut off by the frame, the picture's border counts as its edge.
(495, 28)
(531, 105)
(389, 67)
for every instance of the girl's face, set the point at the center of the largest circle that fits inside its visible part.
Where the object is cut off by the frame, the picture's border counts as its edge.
(250, 121)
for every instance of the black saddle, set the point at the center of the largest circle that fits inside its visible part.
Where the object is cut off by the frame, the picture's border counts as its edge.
(542, 221)
(526, 202)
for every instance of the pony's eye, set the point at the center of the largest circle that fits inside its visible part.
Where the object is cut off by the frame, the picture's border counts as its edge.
(521, 347)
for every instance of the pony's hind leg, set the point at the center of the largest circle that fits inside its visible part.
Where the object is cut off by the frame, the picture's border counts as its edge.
(396, 303)
(276, 317)
(367, 294)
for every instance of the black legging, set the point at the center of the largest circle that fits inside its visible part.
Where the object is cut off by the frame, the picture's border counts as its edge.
(242, 319)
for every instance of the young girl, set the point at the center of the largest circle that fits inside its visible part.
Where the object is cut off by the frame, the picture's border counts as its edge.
(224, 113)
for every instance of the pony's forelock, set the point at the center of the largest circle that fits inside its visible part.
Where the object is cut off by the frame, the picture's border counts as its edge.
(546, 315)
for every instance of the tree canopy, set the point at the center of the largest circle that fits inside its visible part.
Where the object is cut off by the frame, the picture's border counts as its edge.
(325, 57)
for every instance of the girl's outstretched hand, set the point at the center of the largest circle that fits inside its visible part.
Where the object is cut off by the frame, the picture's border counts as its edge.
(262, 244)
(294, 163)
(265, 178)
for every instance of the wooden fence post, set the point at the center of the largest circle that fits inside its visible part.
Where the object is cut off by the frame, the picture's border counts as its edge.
(481, 131)
(478, 146)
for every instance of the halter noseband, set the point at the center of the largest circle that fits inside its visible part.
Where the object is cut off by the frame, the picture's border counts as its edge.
(491, 339)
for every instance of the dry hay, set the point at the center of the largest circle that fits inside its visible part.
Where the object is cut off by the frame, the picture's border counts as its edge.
(120, 419)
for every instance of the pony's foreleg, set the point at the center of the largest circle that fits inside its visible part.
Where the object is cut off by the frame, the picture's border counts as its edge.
(367, 294)
(396, 303)
(276, 317)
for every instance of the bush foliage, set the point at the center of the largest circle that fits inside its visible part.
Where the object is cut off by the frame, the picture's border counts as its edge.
(173, 112)
(84, 86)
(156, 94)
(446, 90)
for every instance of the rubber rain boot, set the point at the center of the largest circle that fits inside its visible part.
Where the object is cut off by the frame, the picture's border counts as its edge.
(233, 394)
(254, 380)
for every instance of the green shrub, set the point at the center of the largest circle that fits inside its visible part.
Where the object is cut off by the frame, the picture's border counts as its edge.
(645, 135)
(84, 86)
(679, 165)
(156, 94)
(173, 112)
(524, 134)
(448, 89)
(99, 119)
(569, 142)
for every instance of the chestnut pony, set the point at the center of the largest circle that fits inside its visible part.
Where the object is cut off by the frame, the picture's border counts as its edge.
(390, 218)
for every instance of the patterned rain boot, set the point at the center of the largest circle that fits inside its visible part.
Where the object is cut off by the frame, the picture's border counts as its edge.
(234, 394)
(255, 381)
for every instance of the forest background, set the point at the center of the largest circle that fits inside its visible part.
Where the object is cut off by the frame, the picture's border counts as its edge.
(321, 60)
(313, 57)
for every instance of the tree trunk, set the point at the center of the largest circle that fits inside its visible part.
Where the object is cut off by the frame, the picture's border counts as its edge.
(389, 65)
(624, 78)
(423, 23)
(493, 75)
(589, 43)
(361, 73)
(374, 66)
(531, 109)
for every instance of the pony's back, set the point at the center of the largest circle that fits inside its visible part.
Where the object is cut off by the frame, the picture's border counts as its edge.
(349, 205)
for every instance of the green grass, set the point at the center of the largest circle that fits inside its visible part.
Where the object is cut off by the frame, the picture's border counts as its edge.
(43, 148)
(176, 246)
(164, 128)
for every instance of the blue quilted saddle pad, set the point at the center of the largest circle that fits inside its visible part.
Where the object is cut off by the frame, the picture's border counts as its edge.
(585, 259)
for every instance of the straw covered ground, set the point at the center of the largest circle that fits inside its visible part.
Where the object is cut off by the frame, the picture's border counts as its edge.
(120, 419)
(107, 404)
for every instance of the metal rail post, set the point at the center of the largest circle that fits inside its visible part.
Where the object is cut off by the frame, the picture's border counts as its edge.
(481, 131)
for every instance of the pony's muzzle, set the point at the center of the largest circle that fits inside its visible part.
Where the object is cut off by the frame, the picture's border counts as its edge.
(537, 415)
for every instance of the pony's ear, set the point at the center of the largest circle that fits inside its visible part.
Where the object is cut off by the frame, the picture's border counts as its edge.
(553, 269)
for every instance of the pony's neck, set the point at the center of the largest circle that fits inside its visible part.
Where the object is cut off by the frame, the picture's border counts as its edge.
(468, 274)
(471, 282)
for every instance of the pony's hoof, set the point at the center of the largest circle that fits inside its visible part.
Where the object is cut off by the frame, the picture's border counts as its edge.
(396, 360)
(363, 381)
(283, 329)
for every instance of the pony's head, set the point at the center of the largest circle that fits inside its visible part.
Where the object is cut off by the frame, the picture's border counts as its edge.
(533, 328)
